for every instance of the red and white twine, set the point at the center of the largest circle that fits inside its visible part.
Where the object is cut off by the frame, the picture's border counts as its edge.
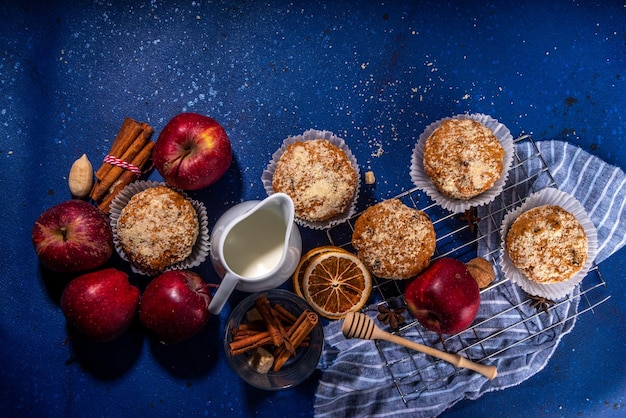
(123, 164)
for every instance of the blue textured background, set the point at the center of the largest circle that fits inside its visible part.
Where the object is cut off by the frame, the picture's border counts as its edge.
(374, 73)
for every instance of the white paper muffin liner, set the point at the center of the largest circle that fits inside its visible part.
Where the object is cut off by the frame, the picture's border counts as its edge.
(200, 249)
(309, 135)
(554, 291)
(423, 182)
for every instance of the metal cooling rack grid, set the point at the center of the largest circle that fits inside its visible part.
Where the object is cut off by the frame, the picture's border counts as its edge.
(456, 239)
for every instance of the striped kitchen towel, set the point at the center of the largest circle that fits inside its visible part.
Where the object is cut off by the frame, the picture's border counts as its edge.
(358, 380)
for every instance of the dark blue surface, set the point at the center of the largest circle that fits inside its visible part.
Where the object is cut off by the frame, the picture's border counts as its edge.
(374, 73)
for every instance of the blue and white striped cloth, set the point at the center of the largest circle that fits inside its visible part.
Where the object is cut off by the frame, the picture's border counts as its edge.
(357, 382)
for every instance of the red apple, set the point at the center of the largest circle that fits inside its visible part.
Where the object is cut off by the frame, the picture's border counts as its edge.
(100, 304)
(73, 236)
(444, 298)
(175, 305)
(192, 151)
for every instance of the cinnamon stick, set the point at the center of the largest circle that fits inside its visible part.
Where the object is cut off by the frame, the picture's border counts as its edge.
(273, 325)
(126, 135)
(300, 330)
(247, 339)
(250, 341)
(283, 314)
(101, 186)
(249, 347)
(254, 326)
(130, 140)
(242, 332)
(305, 328)
(126, 177)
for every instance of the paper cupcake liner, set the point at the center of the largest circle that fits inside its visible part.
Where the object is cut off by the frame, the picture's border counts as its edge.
(200, 249)
(554, 291)
(309, 135)
(422, 181)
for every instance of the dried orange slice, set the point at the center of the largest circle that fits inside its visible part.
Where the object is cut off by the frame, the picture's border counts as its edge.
(298, 274)
(335, 283)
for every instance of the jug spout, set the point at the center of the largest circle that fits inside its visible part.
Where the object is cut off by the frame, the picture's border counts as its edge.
(282, 204)
(256, 250)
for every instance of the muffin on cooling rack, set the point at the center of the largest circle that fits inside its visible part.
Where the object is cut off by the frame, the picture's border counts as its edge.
(318, 176)
(463, 158)
(462, 161)
(547, 243)
(393, 240)
(156, 229)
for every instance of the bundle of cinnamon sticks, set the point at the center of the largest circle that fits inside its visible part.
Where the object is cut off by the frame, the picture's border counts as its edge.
(276, 327)
(124, 163)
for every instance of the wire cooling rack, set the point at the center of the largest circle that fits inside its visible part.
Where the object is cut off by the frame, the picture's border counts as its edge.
(459, 238)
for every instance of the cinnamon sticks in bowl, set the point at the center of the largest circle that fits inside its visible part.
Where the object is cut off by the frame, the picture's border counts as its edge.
(273, 340)
(285, 338)
(125, 162)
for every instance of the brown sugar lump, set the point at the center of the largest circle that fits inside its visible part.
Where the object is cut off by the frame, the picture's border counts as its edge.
(157, 229)
(463, 158)
(393, 240)
(319, 178)
(547, 244)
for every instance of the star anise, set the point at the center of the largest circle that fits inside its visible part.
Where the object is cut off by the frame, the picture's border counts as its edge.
(540, 303)
(470, 217)
(392, 317)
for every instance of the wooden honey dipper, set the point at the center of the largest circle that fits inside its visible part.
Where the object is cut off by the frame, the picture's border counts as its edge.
(358, 325)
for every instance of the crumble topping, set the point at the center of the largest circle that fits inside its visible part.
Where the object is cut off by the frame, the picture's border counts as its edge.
(547, 244)
(319, 178)
(463, 158)
(157, 228)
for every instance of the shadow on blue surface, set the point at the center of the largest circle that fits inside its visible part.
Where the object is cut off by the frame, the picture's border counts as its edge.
(106, 360)
(193, 358)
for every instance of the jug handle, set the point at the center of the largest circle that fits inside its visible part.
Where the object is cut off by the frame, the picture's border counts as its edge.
(223, 292)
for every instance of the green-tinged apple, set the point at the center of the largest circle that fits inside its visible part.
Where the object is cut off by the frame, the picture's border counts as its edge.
(444, 298)
(192, 151)
(100, 304)
(73, 236)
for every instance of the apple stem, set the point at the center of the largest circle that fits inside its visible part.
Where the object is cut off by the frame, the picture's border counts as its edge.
(64, 233)
(441, 336)
(181, 158)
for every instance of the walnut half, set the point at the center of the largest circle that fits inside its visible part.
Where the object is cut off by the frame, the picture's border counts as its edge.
(482, 271)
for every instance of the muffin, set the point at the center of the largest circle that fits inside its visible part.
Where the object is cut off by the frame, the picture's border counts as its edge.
(319, 178)
(393, 240)
(157, 228)
(463, 158)
(547, 244)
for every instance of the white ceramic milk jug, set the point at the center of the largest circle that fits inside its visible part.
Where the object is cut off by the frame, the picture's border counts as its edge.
(255, 246)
